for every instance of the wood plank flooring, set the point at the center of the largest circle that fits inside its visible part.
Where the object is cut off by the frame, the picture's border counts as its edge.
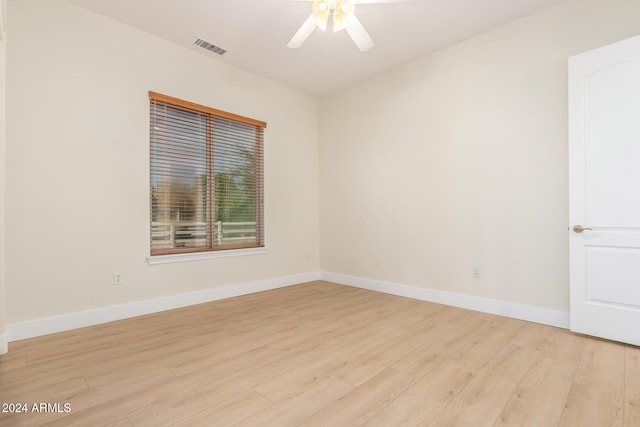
(321, 354)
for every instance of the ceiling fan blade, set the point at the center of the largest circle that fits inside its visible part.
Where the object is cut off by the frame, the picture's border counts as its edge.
(303, 33)
(359, 35)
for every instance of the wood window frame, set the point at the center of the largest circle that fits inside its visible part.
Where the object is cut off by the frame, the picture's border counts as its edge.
(211, 114)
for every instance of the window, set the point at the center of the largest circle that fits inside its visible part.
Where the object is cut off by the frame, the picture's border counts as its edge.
(206, 178)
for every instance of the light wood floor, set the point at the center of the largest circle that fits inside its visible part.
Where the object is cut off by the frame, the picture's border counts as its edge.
(326, 355)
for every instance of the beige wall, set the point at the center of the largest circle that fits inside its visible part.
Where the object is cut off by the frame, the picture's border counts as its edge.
(78, 156)
(456, 160)
(459, 159)
(2, 176)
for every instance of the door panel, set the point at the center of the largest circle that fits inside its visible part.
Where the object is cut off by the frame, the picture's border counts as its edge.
(612, 275)
(612, 145)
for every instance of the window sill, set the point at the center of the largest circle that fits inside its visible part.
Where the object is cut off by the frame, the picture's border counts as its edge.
(197, 256)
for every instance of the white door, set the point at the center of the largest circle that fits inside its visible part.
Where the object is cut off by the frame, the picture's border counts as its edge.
(604, 177)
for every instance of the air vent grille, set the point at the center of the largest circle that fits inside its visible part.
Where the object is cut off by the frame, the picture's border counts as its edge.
(209, 46)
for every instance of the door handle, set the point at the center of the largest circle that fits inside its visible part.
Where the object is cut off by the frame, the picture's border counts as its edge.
(579, 229)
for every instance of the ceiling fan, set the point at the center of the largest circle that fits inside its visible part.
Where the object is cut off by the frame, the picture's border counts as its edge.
(341, 14)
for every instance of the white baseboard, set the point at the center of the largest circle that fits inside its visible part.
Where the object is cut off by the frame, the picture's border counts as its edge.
(38, 327)
(529, 313)
(50, 325)
(4, 344)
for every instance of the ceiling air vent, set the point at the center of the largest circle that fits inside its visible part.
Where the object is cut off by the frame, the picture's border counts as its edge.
(210, 47)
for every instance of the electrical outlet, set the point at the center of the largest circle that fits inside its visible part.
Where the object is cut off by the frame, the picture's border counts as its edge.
(476, 272)
(117, 279)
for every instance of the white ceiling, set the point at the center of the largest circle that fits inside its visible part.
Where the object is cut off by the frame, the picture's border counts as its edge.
(255, 33)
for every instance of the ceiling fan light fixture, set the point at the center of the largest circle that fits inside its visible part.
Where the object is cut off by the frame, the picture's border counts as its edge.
(343, 18)
(342, 15)
(321, 12)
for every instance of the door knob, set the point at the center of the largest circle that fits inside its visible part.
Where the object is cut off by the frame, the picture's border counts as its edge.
(580, 229)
